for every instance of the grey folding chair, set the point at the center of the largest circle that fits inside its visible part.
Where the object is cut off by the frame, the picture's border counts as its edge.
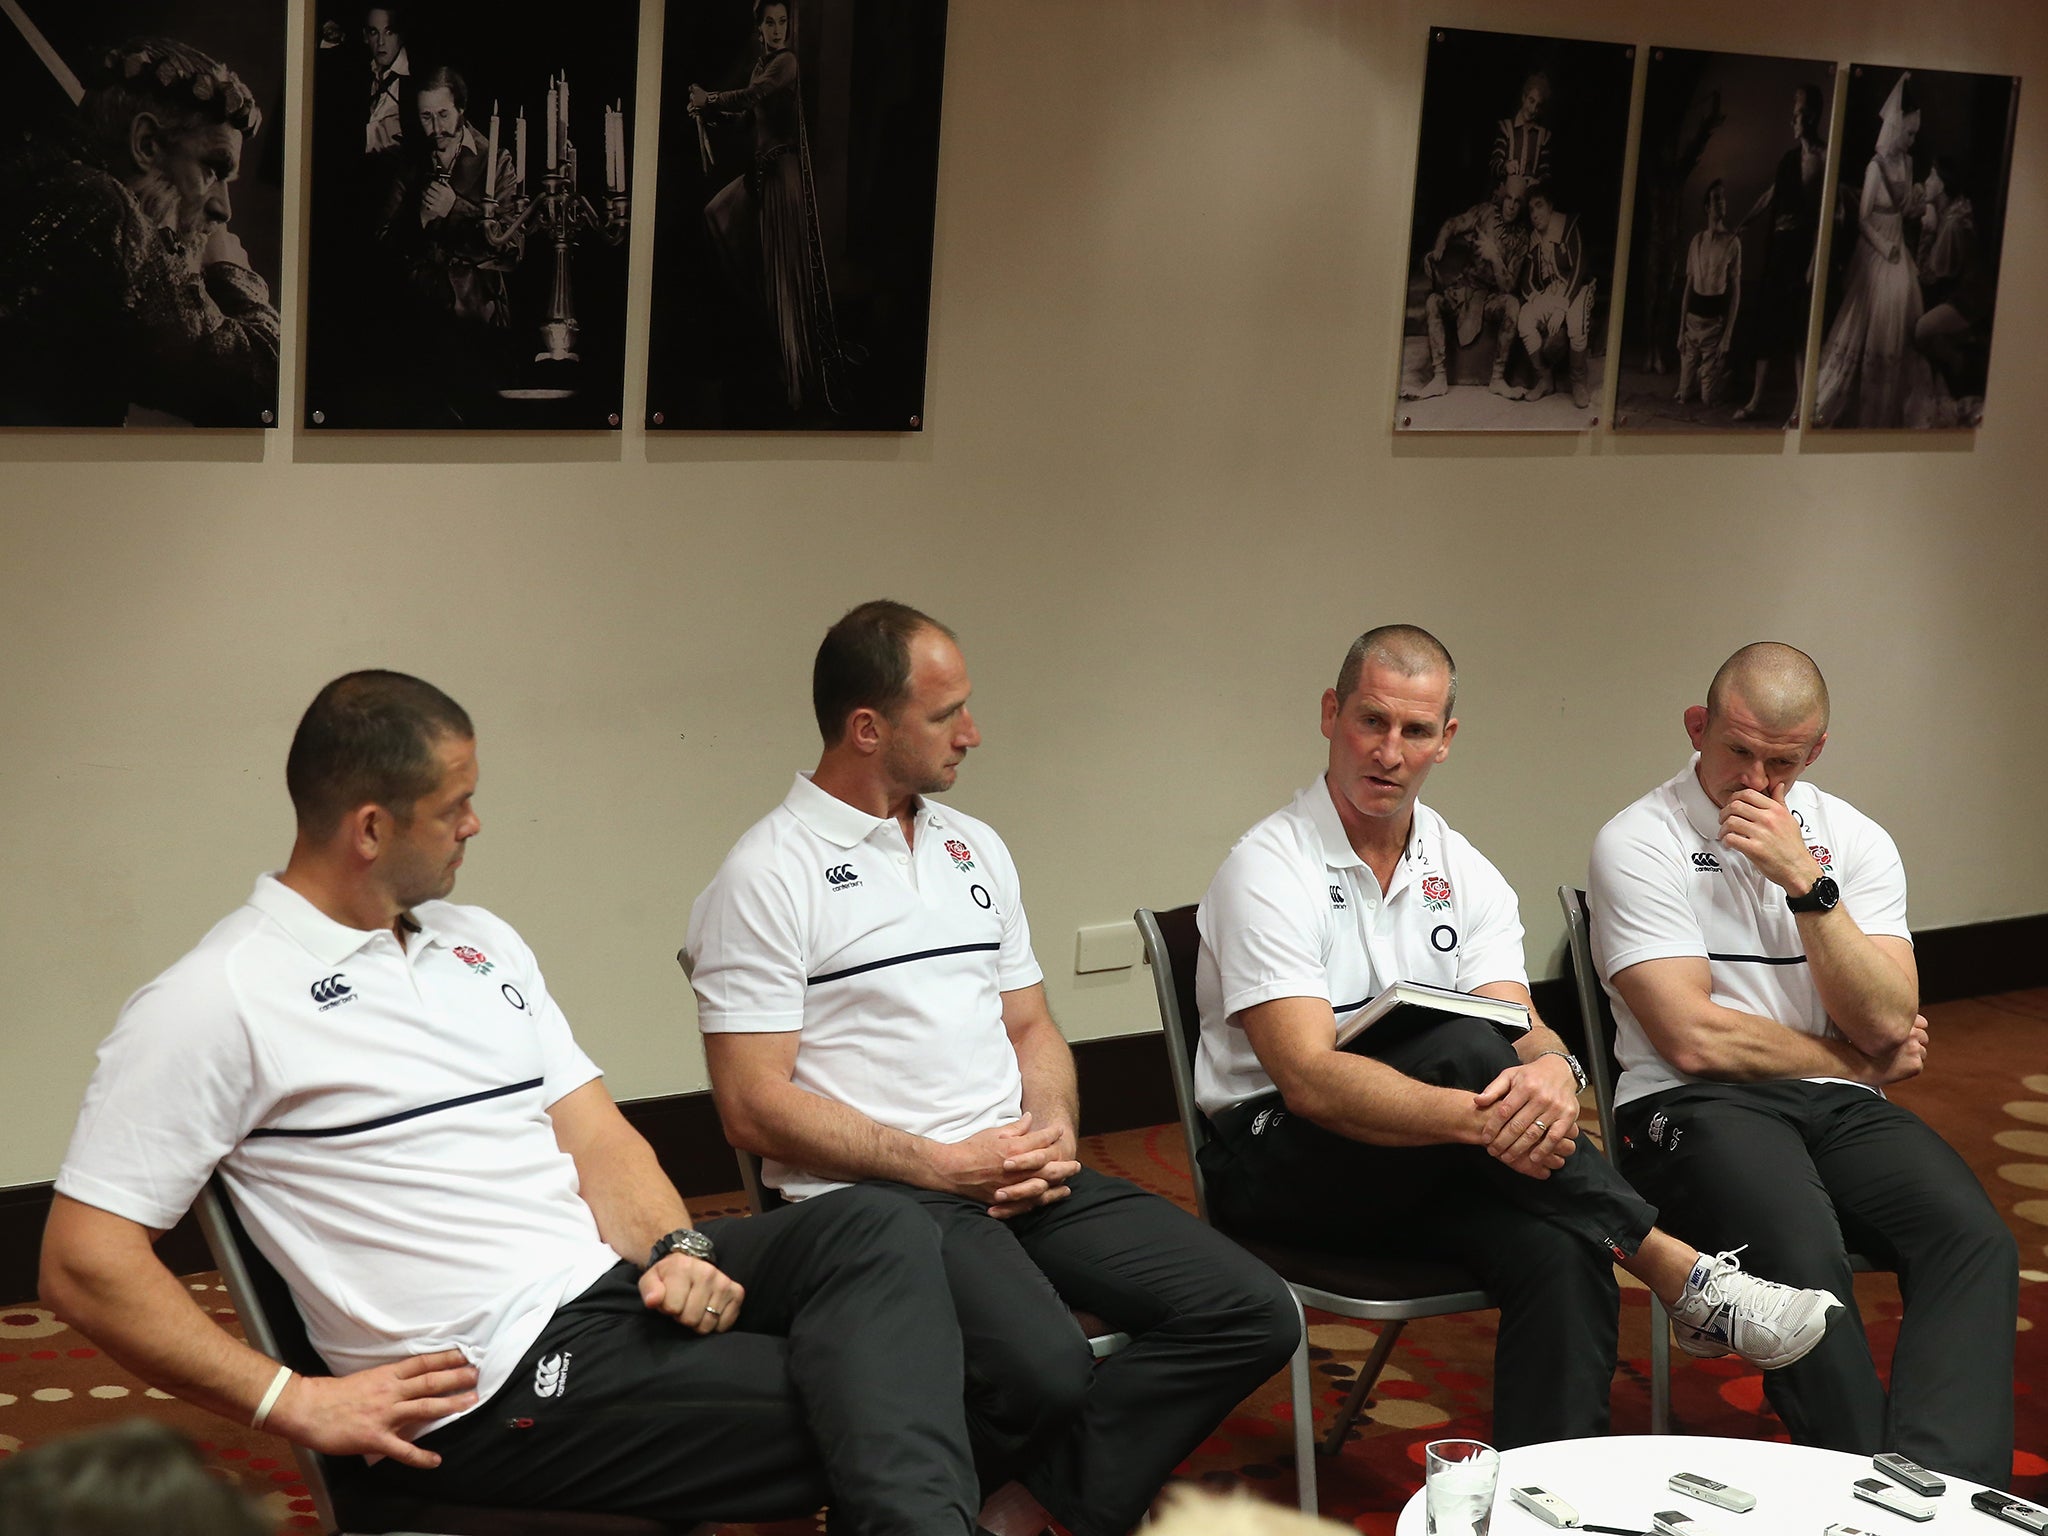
(1596, 1017)
(1103, 1341)
(343, 1497)
(1387, 1291)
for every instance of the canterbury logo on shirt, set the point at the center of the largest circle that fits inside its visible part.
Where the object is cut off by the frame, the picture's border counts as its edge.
(1705, 863)
(332, 992)
(841, 877)
(551, 1375)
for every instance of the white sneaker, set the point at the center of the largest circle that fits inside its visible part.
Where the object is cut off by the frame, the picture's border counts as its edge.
(1768, 1324)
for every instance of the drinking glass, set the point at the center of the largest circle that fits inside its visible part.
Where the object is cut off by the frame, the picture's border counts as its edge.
(1459, 1476)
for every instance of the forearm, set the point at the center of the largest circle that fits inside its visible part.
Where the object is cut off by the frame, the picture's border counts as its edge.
(1867, 996)
(634, 1202)
(1728, 1045)
(822, 1136)
(1365, 1100)
(1052, 1096)
(142, 1316)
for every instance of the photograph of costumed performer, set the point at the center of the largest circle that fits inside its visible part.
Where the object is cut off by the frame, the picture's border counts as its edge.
(127, 293)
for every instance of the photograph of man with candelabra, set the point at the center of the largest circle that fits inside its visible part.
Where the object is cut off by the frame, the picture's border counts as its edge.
(468, 262)
(795, 203)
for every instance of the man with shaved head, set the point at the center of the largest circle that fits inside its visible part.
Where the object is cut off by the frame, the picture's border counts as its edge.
(1751, 932)
(1450, 1142)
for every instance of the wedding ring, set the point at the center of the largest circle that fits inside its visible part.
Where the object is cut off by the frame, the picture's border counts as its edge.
(1541, 1126)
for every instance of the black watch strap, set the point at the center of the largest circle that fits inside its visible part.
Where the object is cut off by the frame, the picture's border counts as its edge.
(1822, 897)
(684, 1240)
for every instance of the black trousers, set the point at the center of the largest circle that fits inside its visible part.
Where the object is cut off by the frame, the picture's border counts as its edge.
(1805, 1172)
(1095, 1443)
(1544, 1248)
(840, 1383)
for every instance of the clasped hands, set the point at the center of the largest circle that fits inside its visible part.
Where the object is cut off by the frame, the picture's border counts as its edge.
(1014, 1168)
(1531, 1116)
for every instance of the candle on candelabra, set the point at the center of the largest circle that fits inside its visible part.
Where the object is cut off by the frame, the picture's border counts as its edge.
(568, 157)
(519, 151)
(491, 163)
(551, 125)
(614, 151)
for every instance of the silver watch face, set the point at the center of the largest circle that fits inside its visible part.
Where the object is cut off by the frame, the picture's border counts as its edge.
(695, 1244)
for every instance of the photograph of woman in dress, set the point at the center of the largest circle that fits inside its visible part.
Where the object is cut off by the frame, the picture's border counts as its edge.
(1908, 332)
(795, 209)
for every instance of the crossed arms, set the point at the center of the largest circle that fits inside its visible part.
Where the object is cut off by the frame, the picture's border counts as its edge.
(101, 1274)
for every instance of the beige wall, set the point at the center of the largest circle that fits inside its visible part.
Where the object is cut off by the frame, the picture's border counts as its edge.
(1158, 496)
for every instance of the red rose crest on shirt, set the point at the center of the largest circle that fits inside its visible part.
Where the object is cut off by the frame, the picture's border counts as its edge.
(474, 959)
(1436, 892)
(1827, 860)
(962, 859)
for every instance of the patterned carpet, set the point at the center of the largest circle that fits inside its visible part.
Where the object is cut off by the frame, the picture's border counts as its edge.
(1986, 1091)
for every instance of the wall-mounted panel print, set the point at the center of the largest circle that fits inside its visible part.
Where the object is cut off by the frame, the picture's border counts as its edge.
(1913, 259)
(1511, 250)
(471, 201)
(798, 190)
(1731, 170)
(142, 155)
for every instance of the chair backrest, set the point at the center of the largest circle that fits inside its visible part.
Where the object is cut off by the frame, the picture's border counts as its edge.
(270, 1322)
(1595, 1013)
(1172, 943)
(762, 1197)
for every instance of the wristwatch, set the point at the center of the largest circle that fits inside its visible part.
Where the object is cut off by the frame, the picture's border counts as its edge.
(1578, 1072)
(684, 1240)
(1821, 898)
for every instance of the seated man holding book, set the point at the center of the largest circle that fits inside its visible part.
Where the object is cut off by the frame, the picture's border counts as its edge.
(1432, 1134)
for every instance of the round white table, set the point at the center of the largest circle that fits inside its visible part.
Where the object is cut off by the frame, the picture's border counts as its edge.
(1620, 1481)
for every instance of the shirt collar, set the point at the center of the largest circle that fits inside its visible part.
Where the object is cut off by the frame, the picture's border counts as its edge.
(847, 826)
(1337, 850)
(321, 936)
(1705, 817)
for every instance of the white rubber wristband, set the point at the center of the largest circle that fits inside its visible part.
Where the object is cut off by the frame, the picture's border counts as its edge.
(277, 1386)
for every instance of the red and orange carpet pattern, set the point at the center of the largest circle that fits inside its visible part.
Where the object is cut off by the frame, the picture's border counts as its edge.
(1986, 1090)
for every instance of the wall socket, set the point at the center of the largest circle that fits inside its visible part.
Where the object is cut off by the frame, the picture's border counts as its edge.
(1106, 947)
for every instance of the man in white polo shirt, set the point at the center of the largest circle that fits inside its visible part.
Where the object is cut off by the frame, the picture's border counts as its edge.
(1751, 931)
(513, 1298)
(1448, 1141)
(872, 1013)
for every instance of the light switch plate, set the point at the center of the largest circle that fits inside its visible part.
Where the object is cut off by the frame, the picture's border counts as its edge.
(1106, 947)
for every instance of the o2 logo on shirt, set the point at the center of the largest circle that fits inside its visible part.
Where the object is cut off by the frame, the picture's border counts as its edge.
(841, 877)
(1436, 892)
(1443, 938)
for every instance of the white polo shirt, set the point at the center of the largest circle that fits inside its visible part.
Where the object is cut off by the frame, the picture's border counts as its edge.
(891, 960)
(379, 1114)
(1295, 912)
(1663, 884)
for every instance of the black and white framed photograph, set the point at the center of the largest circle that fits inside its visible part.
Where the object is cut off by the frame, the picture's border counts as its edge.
(798, 191)
(471, 202)
(1731, 170)
(1511, 249)
(1913, 259)
(142, 155)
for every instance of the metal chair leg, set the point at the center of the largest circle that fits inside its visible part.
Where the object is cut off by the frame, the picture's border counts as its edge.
(1304, 1417)
(1367, 1375)
(1660, 1369)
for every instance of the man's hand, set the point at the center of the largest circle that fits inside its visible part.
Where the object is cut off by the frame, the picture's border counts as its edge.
(435, 201)
(700, 1296)
(1763, 830)
(374, 1412)
(223, 245)
(381, 135)
(984, 1166)
(1532, 1116)
(1906, 1059)
(1046, 1171)
(699, 98)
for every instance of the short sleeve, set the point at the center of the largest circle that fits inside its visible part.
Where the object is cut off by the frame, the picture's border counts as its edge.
(564, 1065)
(1016, 966)
(1636, 896)
(745, 953)
(173, 1094)
(1874, 877)
(1263, 921)
(1490, 949)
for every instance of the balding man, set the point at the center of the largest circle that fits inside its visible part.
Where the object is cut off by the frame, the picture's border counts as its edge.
(1751, 931)
(1450, 1142)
